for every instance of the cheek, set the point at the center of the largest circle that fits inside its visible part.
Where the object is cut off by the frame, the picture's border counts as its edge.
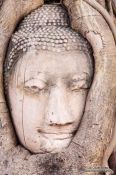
(77, 102)
(27, 110)
(15, 104)
(33, 110)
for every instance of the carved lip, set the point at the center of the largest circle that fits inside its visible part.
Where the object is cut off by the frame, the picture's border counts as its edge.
(56, 135)
(57, 131)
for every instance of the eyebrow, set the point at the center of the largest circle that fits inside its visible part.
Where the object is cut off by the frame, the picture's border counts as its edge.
(84, 75)
(30, 79)
(35, 77)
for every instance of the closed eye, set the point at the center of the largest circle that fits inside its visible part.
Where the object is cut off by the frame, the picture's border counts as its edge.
(78, 88)
(79, 85)
(35, 85)
(32, 89)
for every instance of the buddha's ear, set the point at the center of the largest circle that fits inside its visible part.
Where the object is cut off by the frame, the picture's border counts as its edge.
(90, 19)
(11, 11)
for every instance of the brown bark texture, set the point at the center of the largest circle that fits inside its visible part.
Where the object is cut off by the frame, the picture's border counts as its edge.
(94, 28)
(96, 131)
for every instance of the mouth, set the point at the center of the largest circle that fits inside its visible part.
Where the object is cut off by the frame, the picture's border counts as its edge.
(56, 135)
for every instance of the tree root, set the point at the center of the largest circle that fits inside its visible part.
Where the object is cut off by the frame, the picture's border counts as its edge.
(105, 14)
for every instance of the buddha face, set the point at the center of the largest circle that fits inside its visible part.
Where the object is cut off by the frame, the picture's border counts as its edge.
(47, 93)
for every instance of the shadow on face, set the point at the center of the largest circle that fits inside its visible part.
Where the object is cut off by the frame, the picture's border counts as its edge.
(47, 93)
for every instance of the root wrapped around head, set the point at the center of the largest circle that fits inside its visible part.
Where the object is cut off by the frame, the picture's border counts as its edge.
(47, 28)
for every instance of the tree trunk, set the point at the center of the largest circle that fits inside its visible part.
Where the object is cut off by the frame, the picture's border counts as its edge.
(96, 129)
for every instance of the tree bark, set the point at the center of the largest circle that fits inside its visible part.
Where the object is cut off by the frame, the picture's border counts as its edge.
(90, 23)
(87, 149)
(112, 161)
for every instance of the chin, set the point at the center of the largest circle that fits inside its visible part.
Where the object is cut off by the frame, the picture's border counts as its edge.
(49, 144)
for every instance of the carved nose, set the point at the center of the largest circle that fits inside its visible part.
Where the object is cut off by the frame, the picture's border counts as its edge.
(58, 112)
(59, 118)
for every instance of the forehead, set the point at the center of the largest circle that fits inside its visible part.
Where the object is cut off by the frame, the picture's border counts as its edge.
(54, 64)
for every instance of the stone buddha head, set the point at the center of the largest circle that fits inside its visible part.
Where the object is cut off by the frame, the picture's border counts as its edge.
(47, 76)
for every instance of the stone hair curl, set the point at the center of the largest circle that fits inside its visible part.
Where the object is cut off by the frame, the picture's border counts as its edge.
(47, 28)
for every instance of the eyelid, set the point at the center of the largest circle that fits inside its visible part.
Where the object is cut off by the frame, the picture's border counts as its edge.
(31, 88)
(80, 84)
(35, 83)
